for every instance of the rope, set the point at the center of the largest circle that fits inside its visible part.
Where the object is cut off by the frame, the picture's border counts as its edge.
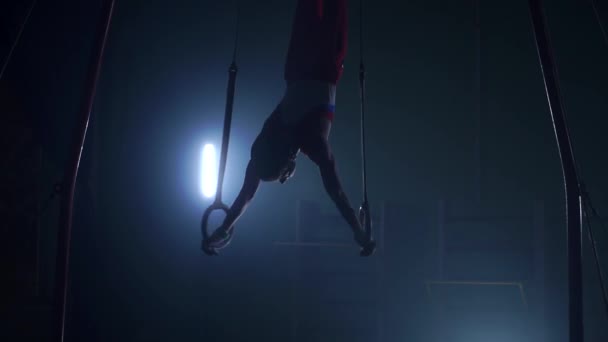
(361, 49)
(217, 203)
(233, 69)
(365, 216)
(62, 264)
(237, 30)
(362, 95)
(17, 39)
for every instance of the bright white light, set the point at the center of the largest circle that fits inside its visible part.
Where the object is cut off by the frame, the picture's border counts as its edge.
(209, 170)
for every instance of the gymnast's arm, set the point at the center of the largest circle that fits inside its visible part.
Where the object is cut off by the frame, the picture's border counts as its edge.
(248, 190)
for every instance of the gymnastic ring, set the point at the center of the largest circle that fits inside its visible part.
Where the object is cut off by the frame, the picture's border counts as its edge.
(205, 226)
(365, 219)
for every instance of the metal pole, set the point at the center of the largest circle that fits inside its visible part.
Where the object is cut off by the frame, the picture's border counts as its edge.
(71, 173)
(573, 198)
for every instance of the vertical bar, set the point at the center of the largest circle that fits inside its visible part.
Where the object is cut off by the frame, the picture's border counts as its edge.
(477, 101)
(71, 172)
(382, 237)
(294, 294)
(539, 270)
(440, 317)
(295, 275)
(380, 264)
(298, 218)
(572, 189)
(38, 230)
(440, 239)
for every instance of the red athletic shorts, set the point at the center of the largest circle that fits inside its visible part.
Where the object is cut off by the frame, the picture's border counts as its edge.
(318, 41)
(316, 52)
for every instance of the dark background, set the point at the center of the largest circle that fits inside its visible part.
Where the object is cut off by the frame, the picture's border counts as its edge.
(137, 270)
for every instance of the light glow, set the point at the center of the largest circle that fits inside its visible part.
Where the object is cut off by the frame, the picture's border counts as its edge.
(209, 170)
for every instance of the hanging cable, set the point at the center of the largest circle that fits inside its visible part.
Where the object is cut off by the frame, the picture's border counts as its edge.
(364, 209)
(362, 95)
(17, 39)
(587, 204)
(237, 31)
(571, 181)
(599, 21)
(218, 204)
(71, 170)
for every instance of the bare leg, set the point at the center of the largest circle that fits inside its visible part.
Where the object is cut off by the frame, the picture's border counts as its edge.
(318, 41)
(250, 186)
